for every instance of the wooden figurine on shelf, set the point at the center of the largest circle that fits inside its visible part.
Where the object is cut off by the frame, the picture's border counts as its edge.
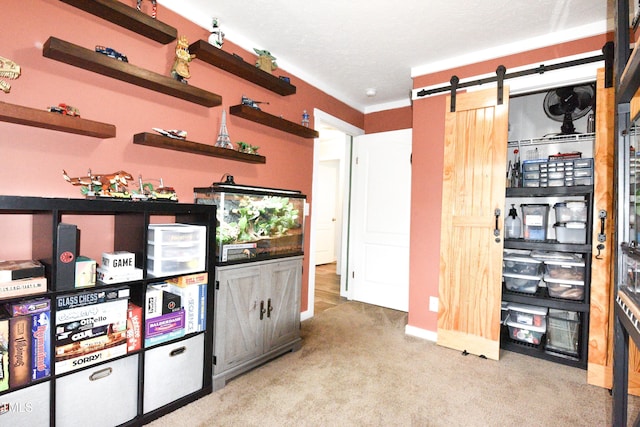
(217, 36)
(180, 69)
(8, 70)
(266, 61)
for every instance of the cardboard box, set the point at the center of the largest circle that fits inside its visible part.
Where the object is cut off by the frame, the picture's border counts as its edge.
(62, 269)
(193, 299)
(41, 345)
(19, 351)
(23, 287)
(189, 279)
(171, 302)
(32, 306)
(164, 324)
(82, 318)
(4, 354)
(20, 269)
(153, 303)
(134, 328)
(89, 358)
(118, 261)
(85, 272)
(109, 277)
(82, 299)
(150, 342)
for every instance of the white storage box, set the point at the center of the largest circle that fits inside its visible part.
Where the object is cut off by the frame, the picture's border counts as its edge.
(28, 407)
(530, 315)
(521, 283)
(173, 371)
(563, 329)
(570, 211)
(525, 333)
(571, 232)
(104, 395)
(565, 289)
(521, 264)
(565, 269)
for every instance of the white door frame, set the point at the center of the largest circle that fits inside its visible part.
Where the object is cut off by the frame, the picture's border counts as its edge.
(320, 116)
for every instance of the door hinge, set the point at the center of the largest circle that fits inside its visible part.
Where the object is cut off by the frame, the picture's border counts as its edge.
(353, 274)
(217, 284)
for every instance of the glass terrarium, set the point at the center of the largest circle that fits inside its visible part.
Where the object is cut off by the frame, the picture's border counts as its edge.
(255, 223)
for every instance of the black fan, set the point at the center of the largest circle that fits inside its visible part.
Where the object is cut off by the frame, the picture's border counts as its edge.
(567, 104)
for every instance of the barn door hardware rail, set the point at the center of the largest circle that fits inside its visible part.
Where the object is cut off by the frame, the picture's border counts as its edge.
(541, 69)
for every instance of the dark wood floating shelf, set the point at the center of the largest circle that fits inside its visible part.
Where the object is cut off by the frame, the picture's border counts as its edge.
(127, 17)
(45, 119)
(90, 60)
(159, 141)
(270, 120)
(235, 65)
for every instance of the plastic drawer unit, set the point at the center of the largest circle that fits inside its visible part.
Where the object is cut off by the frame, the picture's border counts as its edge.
(521, 264)
(176, 249)
(563, 331)
(172, 371)
(104, 395)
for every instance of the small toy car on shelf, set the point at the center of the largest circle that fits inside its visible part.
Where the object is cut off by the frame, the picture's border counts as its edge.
(65, 109)
(111, 53)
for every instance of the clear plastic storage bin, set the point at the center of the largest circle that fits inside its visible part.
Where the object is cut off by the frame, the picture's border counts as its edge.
(570, 211)
(534, 220)
(526, 333)
(565, 269)
(521, 283)
(521, 264)
(563, 331)
(530, 315)
(565, 289)
(571, 232)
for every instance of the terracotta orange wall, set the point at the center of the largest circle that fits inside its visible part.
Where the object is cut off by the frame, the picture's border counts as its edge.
(32, 159)
(426, 197)
(388, 120)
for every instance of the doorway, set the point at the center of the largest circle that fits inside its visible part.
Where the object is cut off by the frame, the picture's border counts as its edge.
(329, 218)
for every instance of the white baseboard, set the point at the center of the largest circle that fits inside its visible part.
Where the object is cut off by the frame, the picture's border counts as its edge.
(306, 315)
(421, 333)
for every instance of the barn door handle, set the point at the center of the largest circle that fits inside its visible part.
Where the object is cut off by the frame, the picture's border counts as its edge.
(496, 231)
(269, 307)
(262, 310)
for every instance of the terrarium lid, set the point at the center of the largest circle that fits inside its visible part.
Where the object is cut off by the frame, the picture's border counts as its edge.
(244, 189)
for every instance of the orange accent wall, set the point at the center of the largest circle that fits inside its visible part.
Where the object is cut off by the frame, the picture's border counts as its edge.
(388, 120)
(32, 159)
(428, 151)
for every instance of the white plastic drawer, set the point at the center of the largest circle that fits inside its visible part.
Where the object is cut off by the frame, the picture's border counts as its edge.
(27, 407)
(105, 395)
(172, 371)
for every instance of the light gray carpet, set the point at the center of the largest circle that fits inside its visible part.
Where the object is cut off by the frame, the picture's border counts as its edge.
(358, 368)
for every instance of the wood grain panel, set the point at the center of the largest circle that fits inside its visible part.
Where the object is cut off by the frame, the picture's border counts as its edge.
(470, 258)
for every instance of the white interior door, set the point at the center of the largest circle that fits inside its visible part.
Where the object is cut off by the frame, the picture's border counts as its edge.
(379, 221)
(327, 210)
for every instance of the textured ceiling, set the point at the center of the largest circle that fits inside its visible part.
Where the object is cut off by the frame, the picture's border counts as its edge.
(345, 47)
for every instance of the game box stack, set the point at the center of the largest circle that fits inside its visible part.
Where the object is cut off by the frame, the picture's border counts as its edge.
(21, 277)
(90, 327)
(25, 343)
(118, 267)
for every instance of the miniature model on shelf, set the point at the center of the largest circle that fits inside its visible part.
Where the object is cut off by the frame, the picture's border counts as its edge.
(154, 7)
(266, 61)
(113, 185)
(64, 109)
(146, 191)
(172, 133)
(251, 103)
(8, 70)
(217, 36)
(180, 69)
(111, 53)
(223, 140)
(244, 147)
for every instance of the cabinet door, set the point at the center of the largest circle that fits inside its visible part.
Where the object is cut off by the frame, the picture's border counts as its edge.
(283, 303)
(238, 328)
(475, 155)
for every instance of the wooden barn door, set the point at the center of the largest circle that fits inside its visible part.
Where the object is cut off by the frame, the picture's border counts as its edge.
(470, 287)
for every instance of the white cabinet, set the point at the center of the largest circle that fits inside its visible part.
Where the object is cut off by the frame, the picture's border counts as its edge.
(257, 315)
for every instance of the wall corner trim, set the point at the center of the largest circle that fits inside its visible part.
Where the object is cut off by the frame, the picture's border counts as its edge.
(421, 333)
